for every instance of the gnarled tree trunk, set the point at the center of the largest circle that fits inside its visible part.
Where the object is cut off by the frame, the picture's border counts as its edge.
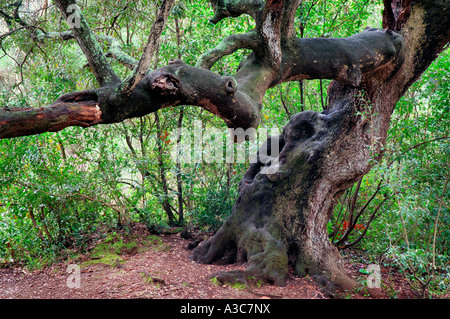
(280, 218)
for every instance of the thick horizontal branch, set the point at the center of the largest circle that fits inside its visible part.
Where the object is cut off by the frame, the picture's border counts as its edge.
(181, 84)
(342, 59)
(235, 8)
(171, 85)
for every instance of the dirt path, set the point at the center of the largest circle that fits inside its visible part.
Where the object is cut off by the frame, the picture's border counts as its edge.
(154, 274)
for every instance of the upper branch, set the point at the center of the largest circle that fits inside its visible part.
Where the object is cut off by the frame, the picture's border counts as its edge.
(269, 29)
(38, 34)
(116, 51)
(86, 39)
(425, 26)
(235, 8)
(151, 47)
(77, 109)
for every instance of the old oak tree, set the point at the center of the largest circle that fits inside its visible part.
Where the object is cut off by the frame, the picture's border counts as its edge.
(279, 220)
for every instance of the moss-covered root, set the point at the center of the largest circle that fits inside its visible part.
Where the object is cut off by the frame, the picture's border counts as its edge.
(266, 257)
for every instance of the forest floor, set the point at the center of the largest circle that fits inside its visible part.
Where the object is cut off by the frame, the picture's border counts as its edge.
(164, 271)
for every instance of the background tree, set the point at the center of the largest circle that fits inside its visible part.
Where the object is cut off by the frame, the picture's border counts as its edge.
(279, 218)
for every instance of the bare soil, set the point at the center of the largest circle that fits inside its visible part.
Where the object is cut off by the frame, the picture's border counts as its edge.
(169, 274)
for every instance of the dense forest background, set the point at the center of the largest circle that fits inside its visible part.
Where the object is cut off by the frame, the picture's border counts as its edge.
(60, 192)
